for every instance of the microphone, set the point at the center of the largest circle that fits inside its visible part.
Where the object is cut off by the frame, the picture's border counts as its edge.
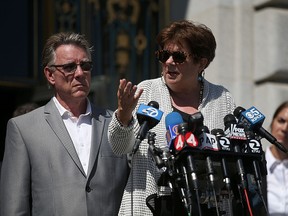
(148, 117)
(223, 142)
(195, 121)
(253, 120)
(224, 145)
(155, 152)
(207, 140)
(172, 121)
(179, 145)
(184, 140)
(237, 137)
(254, 146)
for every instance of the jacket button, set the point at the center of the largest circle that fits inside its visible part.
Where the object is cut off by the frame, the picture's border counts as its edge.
(88, 189)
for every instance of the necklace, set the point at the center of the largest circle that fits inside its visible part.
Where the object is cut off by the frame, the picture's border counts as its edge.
(201, 92)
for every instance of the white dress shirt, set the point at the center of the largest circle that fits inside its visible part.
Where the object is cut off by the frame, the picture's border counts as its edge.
(277, 185)
(80, 130)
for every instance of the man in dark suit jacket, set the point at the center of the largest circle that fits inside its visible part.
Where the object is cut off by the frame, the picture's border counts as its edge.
(57, 158)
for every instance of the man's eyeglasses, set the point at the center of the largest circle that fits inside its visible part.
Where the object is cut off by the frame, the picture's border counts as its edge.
(71, 67)
(178, 56)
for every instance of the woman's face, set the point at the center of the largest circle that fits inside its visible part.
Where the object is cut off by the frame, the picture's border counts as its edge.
(279, 127)
(180, 76)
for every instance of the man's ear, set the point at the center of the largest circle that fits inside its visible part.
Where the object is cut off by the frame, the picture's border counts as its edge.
(49, 74)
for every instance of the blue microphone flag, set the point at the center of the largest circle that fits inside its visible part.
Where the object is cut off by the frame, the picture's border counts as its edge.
(172, 121)
(150, 112)
(251, 117)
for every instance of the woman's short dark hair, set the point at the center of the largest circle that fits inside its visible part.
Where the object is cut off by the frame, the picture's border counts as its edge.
(199, 37)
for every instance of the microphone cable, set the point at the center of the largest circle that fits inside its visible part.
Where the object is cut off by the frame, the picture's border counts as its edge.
(132, 187)
(247, 201)
(154, 154)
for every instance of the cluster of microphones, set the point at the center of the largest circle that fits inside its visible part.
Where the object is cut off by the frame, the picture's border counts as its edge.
(237, 150)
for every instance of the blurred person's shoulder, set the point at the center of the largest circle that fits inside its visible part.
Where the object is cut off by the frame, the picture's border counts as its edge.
(24, 108)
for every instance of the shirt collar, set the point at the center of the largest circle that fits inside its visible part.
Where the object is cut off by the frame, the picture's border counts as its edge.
(272, 162)
(64, 112)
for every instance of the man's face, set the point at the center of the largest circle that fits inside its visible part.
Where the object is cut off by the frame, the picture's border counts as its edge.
(70, 75)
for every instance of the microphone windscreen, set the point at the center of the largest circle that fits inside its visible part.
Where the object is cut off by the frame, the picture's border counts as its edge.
(154, 104)
(238, 110)
(172, 121)
(173, 118)
(229, 119)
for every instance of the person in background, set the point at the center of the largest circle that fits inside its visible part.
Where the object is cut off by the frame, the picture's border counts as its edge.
(57, 158)
(186, 50)
(277, 164)
(24, 108)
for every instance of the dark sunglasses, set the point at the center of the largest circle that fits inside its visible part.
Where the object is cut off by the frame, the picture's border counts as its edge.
(71, 67)
(178, 56)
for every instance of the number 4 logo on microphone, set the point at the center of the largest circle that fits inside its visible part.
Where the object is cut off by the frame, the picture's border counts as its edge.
(188, 139)
(179, 142)
(191, 140)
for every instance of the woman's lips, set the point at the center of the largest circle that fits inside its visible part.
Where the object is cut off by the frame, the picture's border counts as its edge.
(172, 73)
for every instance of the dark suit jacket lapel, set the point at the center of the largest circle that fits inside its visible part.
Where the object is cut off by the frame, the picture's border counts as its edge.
(57, 125)
(98, 125)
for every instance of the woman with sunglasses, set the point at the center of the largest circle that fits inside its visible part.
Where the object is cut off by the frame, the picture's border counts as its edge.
(186, 50)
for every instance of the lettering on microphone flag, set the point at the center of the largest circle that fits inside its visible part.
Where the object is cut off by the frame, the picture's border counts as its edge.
(254, 146)
(188, 140)
(208, 141)
(172, 121)
(149, 111)
(171, 133)
(191, 139)
(234, 132)
(179, 142)
(224, 143)
(251, 117)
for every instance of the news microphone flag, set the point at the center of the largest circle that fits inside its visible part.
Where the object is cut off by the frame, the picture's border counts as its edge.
(150, 113)
(172, 121)
(148, 117)
(251, 118)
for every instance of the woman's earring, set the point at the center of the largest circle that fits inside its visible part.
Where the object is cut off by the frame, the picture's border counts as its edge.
(201, 76)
